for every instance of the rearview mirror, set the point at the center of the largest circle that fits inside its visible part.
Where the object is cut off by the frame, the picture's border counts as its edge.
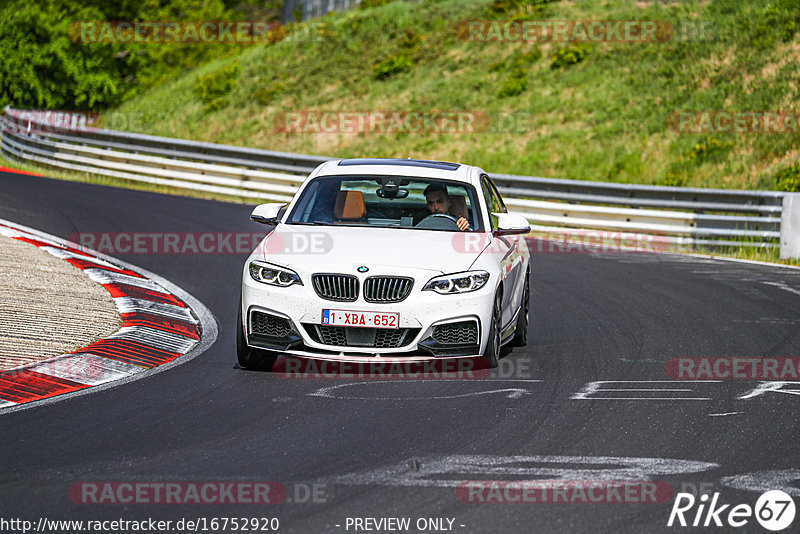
(392, 193)
(390, 189)
(268, 213)
(511, 224)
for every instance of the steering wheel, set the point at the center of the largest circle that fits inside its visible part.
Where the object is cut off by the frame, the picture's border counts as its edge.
(438, 221)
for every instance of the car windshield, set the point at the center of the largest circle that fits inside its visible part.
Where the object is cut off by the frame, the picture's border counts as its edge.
(388, 202)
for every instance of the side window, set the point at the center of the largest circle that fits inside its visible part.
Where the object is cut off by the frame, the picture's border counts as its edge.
(493, 201)
(496, 196)
(303, 209)
(487, 196)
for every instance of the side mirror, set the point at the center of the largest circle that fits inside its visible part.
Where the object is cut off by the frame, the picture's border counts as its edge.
(511, 224)
(268, 213)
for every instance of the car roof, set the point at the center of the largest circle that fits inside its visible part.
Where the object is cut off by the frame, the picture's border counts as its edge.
(400, 167)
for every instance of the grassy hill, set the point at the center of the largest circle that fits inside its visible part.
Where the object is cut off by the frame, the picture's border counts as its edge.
(597, 111)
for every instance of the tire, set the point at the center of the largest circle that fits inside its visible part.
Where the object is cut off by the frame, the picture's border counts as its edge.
(492, 352)
(248, 357)
(521, 331)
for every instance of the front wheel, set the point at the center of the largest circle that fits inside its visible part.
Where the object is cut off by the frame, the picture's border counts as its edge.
(249, 357)
(492, 352)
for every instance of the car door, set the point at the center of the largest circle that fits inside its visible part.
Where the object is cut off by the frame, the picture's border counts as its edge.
(507, 248)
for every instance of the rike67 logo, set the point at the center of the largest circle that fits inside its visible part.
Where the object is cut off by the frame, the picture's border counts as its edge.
(774, 510)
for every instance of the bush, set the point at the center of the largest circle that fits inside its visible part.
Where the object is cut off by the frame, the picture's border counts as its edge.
(777, 20)
(517, 64)
(276, 35)
(409, 39)
(515, 84)
(570, 55)
(788, 179)
(709, 150)
(45, 64)
(212, 88)
(525, 59)
(392, 65)
(41, 67)
(267, 93)
(672, 179)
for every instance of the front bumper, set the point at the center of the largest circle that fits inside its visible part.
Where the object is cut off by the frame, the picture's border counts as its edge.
(428, 326)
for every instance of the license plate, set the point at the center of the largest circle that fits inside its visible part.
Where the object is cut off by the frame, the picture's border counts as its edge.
(360, 318)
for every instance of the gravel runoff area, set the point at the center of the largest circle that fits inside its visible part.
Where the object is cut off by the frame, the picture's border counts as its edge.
(47, 306)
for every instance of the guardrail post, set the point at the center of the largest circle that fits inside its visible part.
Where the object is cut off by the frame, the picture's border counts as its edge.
(790, 226)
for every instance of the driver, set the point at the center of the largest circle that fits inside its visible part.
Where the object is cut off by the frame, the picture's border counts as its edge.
(439, 202)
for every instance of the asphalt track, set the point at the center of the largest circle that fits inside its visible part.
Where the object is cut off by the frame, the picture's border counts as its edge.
(388, 449)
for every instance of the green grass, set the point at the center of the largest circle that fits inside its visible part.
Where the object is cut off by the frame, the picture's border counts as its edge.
(598, 112)
(749, 253)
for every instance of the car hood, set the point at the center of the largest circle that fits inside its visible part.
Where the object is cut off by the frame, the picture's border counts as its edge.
(332, 247)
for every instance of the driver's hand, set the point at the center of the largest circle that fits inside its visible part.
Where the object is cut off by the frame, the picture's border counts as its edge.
(463, 224)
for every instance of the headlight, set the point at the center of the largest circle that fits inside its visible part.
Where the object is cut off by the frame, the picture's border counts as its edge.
(273, 275)
(458, 282)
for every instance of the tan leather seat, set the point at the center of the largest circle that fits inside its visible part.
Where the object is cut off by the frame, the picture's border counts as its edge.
(349, 206)
(458, 206)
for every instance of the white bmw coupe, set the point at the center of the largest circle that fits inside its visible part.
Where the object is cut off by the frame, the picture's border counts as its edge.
(377, 259)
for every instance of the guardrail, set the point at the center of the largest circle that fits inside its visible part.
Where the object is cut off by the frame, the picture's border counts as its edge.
(683, 216)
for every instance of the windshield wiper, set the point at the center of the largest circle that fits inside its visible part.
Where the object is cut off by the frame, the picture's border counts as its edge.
(315, 223)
